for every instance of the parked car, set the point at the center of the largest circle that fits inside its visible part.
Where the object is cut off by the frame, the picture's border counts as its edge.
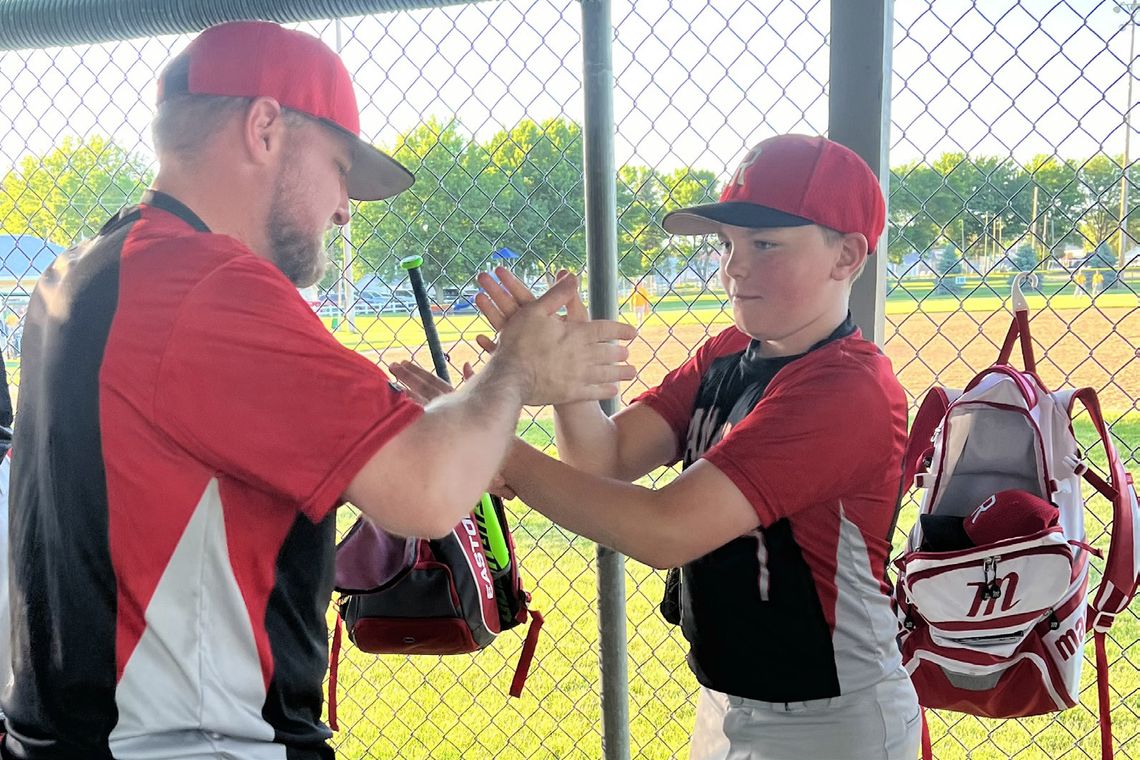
(459, 300)
(385, 301)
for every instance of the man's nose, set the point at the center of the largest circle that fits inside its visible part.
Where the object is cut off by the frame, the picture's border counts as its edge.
(340, 216)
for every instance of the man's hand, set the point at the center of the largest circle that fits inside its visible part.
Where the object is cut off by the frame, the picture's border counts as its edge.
(557, 360)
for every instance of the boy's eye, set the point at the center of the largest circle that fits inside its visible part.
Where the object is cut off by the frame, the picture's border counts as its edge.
(763, 245)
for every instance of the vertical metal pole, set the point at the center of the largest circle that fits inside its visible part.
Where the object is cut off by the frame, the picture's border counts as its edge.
(1131, 9)
(1036, 239)
(601, 250)
(345, 292)
(859, 116)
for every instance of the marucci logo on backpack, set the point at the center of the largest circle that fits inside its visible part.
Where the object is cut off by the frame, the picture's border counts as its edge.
(452, 595)
(992, 590)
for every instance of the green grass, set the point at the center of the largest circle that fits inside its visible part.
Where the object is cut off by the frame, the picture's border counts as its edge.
(457, 707)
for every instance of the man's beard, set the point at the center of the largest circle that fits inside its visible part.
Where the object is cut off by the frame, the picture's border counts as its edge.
(297, 253)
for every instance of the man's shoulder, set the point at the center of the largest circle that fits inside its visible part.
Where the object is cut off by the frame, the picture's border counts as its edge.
(160, 232)
(176, 252)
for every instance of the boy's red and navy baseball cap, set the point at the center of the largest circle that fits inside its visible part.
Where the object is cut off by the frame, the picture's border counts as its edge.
(252, 59)
(792, 181)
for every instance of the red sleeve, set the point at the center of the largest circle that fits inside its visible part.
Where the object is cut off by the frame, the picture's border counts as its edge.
(673, 399)
(821, 431)
(254, 385)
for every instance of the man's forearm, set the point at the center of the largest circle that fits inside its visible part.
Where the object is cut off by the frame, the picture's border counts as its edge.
(472, 430)
(426, 478)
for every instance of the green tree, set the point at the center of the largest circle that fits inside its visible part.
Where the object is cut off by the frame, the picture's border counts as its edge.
(1024, 258)
(66, 195)
(682, 188)
(537, 207)
(1060, 202)
(913, 186)
(948, 265)
(1099, 178)
(974, 193)
(640, 194)
(1103, 257)
(439, 218)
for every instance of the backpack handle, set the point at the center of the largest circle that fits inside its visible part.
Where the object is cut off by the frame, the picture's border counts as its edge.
(1019, 328)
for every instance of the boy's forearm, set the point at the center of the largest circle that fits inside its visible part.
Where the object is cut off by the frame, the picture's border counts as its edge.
(610, 512)
(699, 511)
(587, 438)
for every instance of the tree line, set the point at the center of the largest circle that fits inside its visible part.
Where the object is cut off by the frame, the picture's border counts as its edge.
(522, 189)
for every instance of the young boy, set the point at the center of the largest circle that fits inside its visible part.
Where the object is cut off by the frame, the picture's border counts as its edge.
(791, 429)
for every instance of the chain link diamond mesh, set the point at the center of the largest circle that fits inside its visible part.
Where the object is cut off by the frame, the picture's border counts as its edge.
(1008, 151)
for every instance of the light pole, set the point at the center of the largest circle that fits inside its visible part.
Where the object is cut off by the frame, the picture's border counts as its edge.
(1130, 9)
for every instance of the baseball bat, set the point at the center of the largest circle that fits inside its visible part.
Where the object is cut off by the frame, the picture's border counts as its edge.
(486, 514)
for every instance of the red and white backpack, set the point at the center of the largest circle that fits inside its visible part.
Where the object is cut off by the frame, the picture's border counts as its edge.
(998, 629)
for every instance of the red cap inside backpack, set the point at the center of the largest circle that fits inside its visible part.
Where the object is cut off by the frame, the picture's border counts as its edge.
(1008, 514)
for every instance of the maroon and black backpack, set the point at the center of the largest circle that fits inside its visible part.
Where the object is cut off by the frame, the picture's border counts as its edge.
(428, 596)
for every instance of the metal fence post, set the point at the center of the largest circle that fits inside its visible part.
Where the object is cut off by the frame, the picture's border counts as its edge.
(860, 118)
(601, 250)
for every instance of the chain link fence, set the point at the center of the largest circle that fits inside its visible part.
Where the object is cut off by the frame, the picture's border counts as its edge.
(1008, 151)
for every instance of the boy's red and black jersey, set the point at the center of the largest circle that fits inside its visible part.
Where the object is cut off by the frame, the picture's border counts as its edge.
(187, 427)
(797, 609)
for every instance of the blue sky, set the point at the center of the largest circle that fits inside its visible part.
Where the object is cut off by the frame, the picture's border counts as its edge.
(696, 82)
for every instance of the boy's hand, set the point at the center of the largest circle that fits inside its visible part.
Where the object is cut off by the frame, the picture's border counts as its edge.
(500, 299)
(423, 386)
(557, 360)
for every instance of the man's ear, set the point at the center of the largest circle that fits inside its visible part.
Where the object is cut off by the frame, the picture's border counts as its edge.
(853, 252)
(263, 129)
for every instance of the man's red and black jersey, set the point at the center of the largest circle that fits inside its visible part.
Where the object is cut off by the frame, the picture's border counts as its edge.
(797, 609)
(187, 426)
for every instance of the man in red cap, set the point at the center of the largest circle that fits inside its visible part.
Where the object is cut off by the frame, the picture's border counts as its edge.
(790, 427)
(188, 427)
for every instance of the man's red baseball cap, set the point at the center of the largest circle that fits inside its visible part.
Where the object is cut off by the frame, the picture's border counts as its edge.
(1009, 514)
(251, 59)
(792, 181)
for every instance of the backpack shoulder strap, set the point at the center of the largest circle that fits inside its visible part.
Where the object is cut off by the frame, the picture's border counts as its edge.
(926, 421)
(1122, 563)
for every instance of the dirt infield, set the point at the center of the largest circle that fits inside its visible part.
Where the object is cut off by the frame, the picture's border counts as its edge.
(1096, 347)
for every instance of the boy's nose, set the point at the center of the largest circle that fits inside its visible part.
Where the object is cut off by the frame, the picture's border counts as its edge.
(736, 267)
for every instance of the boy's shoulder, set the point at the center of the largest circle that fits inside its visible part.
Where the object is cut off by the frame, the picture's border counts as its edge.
(852, 366)
(728, 341)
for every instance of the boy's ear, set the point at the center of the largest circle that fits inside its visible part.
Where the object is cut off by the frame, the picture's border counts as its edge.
(853, 252)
